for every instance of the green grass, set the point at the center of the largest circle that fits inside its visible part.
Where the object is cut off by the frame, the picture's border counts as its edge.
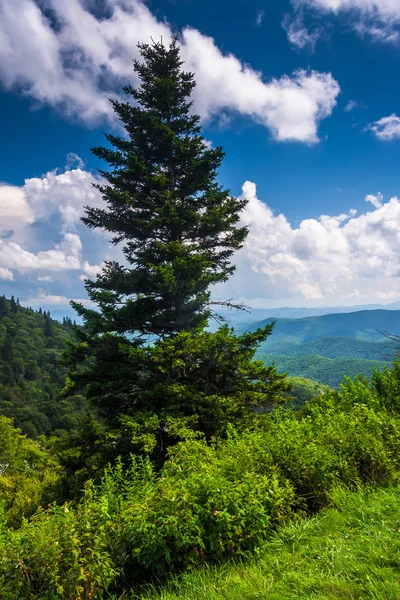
(349, 551)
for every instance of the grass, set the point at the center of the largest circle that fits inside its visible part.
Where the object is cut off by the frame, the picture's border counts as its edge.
(349, 551)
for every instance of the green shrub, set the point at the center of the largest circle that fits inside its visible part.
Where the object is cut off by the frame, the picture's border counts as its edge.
(60, 553)
(208, 503)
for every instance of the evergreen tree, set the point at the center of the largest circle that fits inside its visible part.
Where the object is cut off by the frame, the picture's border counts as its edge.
(179, 231)
(177, 224)
(47, 326)
(7, 350)
(13, 305)
(3, 306)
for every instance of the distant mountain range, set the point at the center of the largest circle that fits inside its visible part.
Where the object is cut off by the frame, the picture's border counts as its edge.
(327, 347)
(322, 344)
(362, 325)
(258, 314)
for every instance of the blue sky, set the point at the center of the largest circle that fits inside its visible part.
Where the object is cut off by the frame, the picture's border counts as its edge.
(303, 95)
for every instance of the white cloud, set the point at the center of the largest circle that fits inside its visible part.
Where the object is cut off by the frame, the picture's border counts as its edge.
(83, 61)
(66, 193)
(15, 211)
(260, 17)
(387, 128)
(42, 298)
(353, 104)
(387, 295)
(298, 34)
(386, 9)
(325, 259)
(90, 271)
(378, 19)
(65, 256)
(6, 274)
(375, 199)
(291, 107)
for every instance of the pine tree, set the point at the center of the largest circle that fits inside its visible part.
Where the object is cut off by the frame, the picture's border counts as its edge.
(7, 350)
(178, 226)
(3, 306)
(179, 230)
(47, 326)
(13, 305)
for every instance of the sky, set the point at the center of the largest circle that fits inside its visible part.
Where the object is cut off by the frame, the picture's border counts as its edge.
(304, 96)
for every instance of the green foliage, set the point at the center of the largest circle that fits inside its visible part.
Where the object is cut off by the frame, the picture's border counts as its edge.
(303, 390)
(177, 224)
(326, 371)
(154, 396)
(351, 550)
(208, 503)
(61, 553)
(26, 473)
(30, 376)
(212, 501)
(334, 347)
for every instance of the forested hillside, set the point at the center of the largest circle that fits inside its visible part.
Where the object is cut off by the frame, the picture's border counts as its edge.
(30, 376)
(327, 371)
(327, 347)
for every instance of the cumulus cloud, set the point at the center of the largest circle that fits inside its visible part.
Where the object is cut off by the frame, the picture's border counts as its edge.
(64, 256)
(375, 199)
(70, 58)
(386, 9)
(15, 211)
(6, 274)
(332, 257)
(325, 260)
(66, 193)
(42, 298)
(53, 204)
(291, 107)
(387, 128)
(90, 271)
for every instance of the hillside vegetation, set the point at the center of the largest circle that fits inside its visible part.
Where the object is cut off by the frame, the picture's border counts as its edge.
(334, 347)
(325, 348)
(30, 375)
(351, 550)
(326, 371)
(212, 502)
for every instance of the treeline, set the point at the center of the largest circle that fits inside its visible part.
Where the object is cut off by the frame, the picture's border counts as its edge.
(31, 377)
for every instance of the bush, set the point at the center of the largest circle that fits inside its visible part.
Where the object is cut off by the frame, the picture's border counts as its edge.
(60, 553)
(209, 502)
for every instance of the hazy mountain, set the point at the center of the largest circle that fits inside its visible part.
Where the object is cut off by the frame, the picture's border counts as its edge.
(327, 347)
(362, 325)
(259, 314)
